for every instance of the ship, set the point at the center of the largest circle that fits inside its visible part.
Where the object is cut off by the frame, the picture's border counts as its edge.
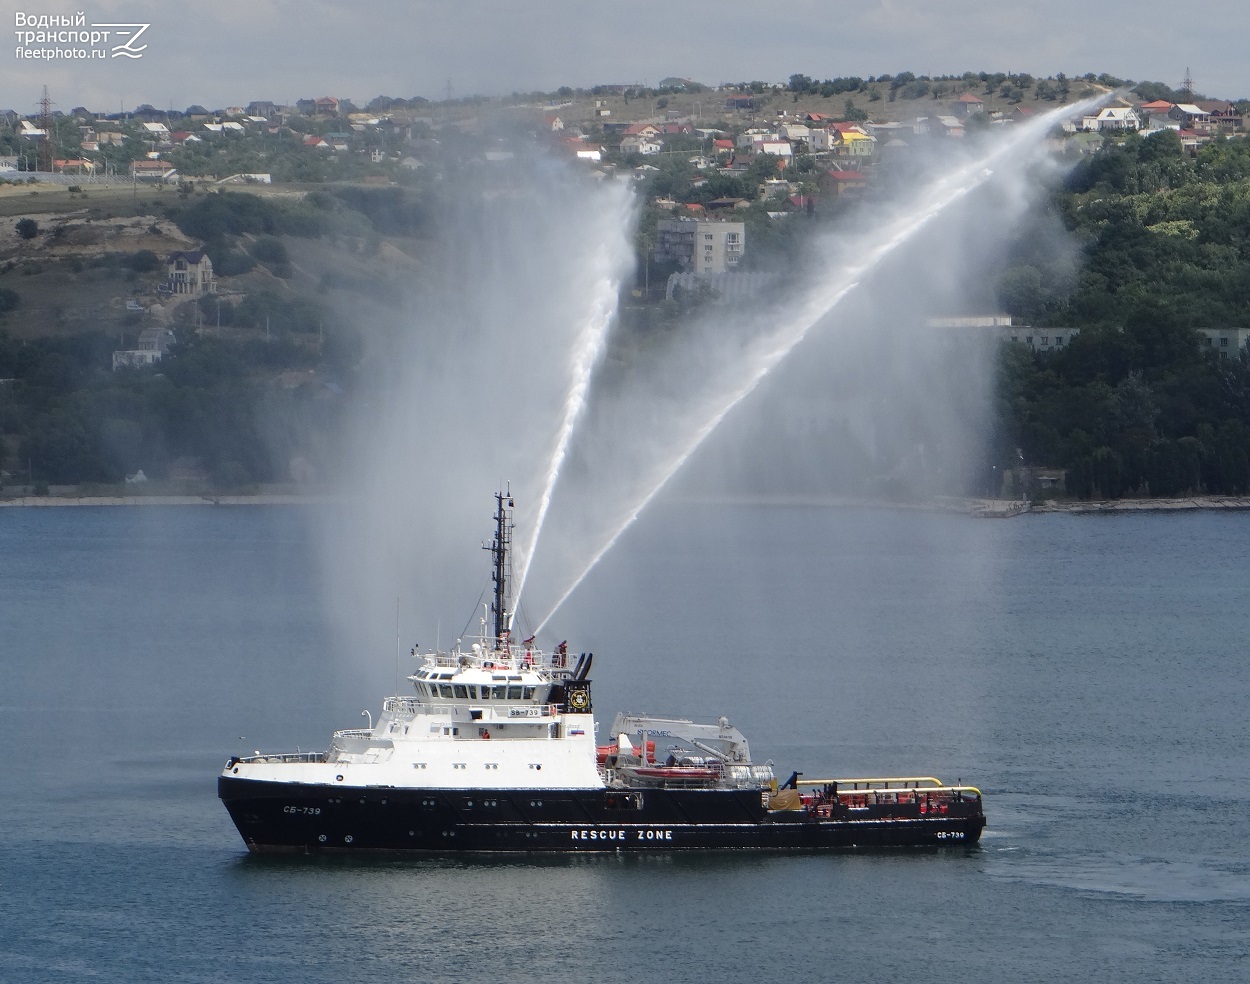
(494, 749)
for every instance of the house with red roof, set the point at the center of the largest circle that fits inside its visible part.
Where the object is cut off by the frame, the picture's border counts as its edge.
(552, 123)
(73, 166)
(643, 130)
(967, 105)
(837, 183)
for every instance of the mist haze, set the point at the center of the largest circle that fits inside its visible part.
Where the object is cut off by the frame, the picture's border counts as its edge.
(469, 399)
(878, 404)
(511, 371)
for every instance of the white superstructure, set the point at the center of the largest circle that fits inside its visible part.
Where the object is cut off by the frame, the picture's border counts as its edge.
(493, 716)
(482, 718)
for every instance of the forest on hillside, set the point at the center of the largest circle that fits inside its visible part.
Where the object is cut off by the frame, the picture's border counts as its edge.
(1138, 403)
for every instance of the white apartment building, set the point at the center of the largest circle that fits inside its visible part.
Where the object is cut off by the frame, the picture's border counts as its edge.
(699, 245)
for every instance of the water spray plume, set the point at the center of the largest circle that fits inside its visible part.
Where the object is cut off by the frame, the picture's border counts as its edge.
(588, 349)
(767, 352)
(469, 378)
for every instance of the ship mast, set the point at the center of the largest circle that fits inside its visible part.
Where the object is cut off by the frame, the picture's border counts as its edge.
(501, 573)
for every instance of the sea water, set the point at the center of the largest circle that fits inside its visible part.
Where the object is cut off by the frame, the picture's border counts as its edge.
(1088, 673)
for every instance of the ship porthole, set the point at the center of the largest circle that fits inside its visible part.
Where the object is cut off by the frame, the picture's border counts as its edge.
(348, 839)
(236, 770)
(322, 838)
(338, 778)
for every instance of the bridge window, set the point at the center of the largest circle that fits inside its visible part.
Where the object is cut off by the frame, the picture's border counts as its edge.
(514, 693)
(461, 690)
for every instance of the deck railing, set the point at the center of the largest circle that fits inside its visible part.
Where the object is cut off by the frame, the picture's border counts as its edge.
(354, 733)
(282, 757)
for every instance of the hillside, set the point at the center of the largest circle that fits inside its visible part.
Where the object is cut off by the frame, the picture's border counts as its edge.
(315, 281)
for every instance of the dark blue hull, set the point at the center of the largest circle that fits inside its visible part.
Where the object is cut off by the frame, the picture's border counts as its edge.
(285, 817)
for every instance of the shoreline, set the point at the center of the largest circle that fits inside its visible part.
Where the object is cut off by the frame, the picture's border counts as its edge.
(980, 508)
(1196, 503)
(61, 501)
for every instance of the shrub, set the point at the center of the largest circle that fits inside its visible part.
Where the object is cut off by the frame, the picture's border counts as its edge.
(145, 261)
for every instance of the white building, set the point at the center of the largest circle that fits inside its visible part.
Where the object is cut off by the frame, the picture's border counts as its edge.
(778, 148)
(1113, 118)
(1228, 343)
(153, 343)
(748, 137)
(640, 144)
(1001, 326)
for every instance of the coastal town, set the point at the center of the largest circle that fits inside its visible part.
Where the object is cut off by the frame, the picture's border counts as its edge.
(731, 180)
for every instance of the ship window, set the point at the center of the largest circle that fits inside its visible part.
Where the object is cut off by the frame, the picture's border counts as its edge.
(528, 694)
(461, 690)
(499, 693)
(445, 689)
(514, 693)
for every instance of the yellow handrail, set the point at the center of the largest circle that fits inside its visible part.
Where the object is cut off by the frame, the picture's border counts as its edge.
(903, 779)
(848, 786)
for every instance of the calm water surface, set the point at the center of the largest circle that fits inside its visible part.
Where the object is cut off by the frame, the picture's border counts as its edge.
(1089, 673)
